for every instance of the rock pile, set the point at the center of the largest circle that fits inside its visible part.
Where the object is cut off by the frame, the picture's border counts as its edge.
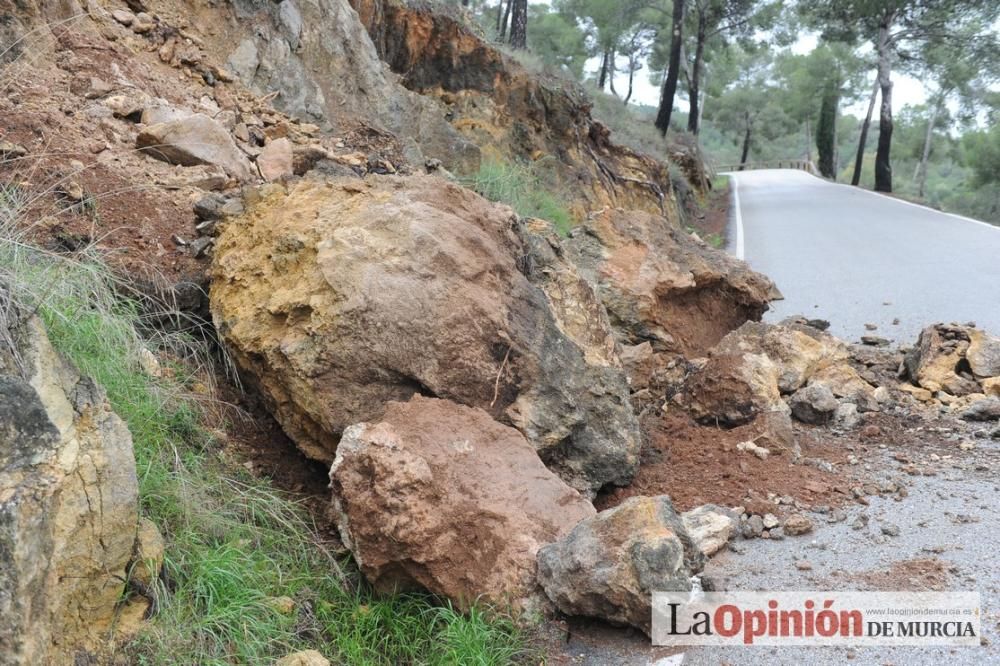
(957, 367)
(380, 289)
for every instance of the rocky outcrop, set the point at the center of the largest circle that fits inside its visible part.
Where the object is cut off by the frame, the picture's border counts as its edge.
(499, 105)
(68, 505)
(609, 565)
(444, 497)
(340, 297)
(662, 286)
(319, 61)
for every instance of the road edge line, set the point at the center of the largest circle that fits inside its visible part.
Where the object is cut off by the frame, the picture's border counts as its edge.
(738, 215)
(911, 203)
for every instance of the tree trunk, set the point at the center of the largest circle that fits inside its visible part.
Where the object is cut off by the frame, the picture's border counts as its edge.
(694, 89)
(502, 26)
(883, 164)
(673, 70)
(519, 24)
(611, 73)
(863, 139)
(633, 64)
(602, 79)
(809, 137)
(922, 181)
(746, 141)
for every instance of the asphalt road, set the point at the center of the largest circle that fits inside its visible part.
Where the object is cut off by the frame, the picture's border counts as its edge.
(854, 257)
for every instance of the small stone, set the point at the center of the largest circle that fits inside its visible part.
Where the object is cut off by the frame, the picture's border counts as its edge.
(871, 327)
(10, 151)
(281, 605)
(753, 527)
(770, 520)
(814, 404)
(797, 524)
(889, 529)
(206, 228)
(275, 161)
(804, 565)
(123, 16)
(149, 363)
(201, 246)
(303, 658)
(874, 341)
(758, 451)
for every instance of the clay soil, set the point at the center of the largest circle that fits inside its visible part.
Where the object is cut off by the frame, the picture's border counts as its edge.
(697, 464)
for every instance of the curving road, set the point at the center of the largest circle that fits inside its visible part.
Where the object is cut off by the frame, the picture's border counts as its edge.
(854, 257)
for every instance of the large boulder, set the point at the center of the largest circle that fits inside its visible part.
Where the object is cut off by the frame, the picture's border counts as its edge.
(340, 297)
(938, 361)
(608, 566)
(192, 140)
(442, 496)
(68, 505)
(661, 285)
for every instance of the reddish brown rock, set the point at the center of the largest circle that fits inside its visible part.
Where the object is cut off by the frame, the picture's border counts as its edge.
(441, 496)
(276, 160)
(661, 285)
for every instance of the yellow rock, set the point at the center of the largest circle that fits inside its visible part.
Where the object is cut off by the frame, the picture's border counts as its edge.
(304, 658)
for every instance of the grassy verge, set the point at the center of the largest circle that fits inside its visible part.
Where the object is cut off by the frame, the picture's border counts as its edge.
(236, 547)
(523, 188)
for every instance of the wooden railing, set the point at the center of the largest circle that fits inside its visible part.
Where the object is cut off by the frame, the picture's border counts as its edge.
(801, 165)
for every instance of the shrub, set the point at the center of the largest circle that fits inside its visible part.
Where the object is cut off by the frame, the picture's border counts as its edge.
(523, 188)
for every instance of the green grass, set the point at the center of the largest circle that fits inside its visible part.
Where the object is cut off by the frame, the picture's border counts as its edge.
(523, 188)
(234, 543)
(720, 183)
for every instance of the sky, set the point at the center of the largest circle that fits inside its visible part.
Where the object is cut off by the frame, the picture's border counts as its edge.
(905, 89)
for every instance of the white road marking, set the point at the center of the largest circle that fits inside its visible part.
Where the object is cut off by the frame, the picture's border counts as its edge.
(909, 203)
(739, 215)
(916, 205)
